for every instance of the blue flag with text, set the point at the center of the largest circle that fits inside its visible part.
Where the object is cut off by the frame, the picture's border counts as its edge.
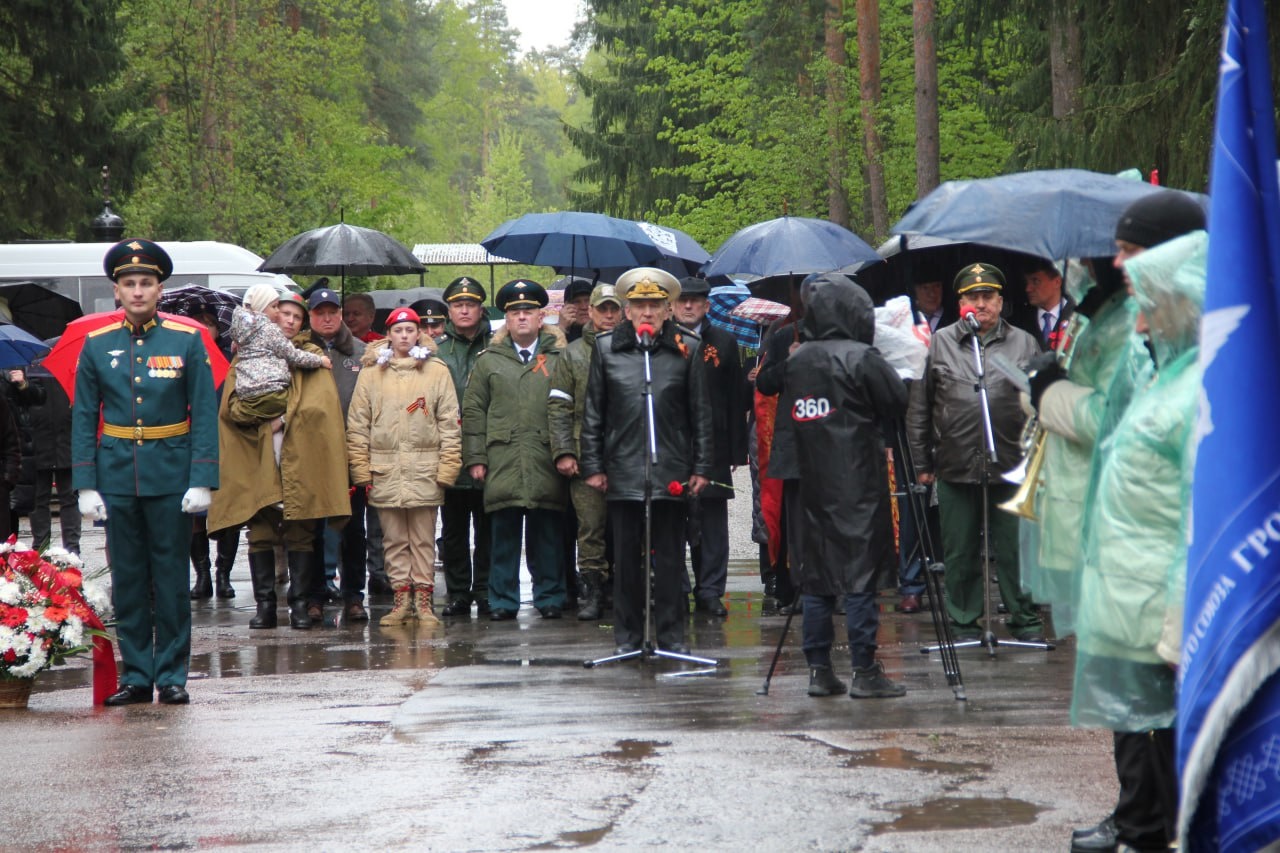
(1229, 690)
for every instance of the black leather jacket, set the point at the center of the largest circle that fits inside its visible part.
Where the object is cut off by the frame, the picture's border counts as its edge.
(614, 430)
(944, 420)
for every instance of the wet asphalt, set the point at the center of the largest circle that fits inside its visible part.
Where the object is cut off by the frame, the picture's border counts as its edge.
(482, 736)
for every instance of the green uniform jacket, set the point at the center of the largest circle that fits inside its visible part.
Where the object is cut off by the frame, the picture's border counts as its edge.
(460, 355)
(569, 395)
(159, 377)
(504, 424)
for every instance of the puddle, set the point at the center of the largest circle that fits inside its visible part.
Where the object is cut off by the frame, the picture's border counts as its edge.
(951, 813)
(634, 750)
(897, 758)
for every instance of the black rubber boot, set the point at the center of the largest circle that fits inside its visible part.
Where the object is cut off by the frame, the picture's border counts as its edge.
(228, 543)
(262, 571)
(200, 562)
(302, 568)
(592, 584)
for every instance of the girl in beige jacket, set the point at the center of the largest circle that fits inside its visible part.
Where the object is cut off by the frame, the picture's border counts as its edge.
(404, 445)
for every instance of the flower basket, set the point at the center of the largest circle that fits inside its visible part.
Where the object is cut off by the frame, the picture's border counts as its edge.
(14, 693)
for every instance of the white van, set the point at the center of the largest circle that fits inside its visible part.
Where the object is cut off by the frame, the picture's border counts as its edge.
(75, 269)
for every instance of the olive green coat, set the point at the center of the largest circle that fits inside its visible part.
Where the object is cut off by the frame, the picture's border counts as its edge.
(504, 424)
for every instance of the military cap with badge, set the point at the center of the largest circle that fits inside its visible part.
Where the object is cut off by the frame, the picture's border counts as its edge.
(648, 283)
(137, 255)
(464, 287)
(979, 278)
(521, 293)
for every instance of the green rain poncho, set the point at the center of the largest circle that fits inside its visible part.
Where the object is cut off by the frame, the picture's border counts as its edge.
(1135, 548)
(1072, 412)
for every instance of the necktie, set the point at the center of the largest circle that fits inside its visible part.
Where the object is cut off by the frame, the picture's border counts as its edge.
(525, 355)
(1048, 326)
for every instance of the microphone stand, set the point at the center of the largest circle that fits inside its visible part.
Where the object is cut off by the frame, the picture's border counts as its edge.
(988, 638)
(648, 649)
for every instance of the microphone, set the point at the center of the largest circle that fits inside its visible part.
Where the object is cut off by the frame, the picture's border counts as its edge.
(646, 333)
(969, 316)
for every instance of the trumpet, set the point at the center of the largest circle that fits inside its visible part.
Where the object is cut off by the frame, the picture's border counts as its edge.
(1027, 473)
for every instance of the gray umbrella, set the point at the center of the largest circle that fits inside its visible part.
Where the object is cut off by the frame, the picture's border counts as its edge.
(342, 250)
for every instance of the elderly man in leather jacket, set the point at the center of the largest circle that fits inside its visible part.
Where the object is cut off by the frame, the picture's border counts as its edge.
(615, 440)
(945, 429)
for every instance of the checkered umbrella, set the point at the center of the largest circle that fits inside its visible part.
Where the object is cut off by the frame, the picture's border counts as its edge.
(722, 301)
(192, 299)
(761, 311)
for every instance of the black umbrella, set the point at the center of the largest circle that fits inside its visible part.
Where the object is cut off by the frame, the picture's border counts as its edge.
(342, 250)
(39, 310)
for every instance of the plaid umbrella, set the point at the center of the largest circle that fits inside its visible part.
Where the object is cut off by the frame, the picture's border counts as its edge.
(192, 299)
(762, 311)
(720, 313)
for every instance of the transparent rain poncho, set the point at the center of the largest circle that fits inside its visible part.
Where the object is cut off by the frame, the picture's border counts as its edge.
(1134, 566)
(1051, 571)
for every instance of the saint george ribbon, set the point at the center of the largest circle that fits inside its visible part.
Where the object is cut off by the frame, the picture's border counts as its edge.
(540, 363)
(67, 582)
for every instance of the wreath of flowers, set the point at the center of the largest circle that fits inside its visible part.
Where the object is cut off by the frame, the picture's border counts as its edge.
(49, 610)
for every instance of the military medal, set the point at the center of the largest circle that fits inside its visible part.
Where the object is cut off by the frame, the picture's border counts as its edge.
(164, 366)
(114, 354)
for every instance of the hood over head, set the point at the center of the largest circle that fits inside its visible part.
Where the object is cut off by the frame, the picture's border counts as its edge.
(1168, 288)
(837, 308)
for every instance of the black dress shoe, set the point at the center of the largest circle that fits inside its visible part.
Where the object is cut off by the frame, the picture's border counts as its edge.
(129, 694)
(627, 649)
(1102, 838)
(713, 606)
(457, 607)
(677, 648)
(482, 607)
(173, 694)
(550, 612)
(1108, 824)
(501, 614)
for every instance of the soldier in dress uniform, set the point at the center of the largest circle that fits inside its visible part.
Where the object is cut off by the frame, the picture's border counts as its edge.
(155, 462)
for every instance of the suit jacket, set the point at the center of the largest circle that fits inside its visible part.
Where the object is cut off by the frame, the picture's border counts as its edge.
(1027, 318)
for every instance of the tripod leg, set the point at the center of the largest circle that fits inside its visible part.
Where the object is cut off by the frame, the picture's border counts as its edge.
(777, 653)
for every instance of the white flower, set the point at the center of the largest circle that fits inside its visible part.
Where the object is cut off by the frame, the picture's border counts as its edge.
(99, 598)
(21, 546)
(384, 355)
(419, 353)
(72, 632)
(10, 592)
(62, 558)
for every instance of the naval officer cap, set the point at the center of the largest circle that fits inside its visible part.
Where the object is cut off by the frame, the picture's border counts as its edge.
(137, 256)
(648, 283)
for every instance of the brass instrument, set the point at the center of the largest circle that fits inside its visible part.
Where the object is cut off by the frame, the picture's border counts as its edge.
(1027, 472)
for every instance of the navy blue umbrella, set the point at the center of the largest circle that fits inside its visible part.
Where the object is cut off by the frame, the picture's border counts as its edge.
(678, 254)
(19, 348)
(573, 240)
(1054, 214)
(790, 246)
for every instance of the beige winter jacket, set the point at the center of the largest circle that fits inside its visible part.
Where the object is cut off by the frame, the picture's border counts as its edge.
(403, 433)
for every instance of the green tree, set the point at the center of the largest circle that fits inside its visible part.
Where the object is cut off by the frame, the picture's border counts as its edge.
(56, 121)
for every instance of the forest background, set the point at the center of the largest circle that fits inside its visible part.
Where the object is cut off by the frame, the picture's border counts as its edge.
(248, 121)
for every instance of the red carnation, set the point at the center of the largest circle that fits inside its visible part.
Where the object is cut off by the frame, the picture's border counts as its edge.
(675, 488)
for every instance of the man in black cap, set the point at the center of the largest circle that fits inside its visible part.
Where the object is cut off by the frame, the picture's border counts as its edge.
(331, 334)
(945, 430)
(708, 527)
(615, 442)
(506, 446)
(432, 314)
(575, 310)
(156, 462)
(466, 573)
(1079, 408)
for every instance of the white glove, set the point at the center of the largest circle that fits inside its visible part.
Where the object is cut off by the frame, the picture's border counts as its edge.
(197, 499)
(91, 505)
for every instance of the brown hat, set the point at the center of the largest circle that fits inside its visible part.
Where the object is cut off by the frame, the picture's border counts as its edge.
(977, 278)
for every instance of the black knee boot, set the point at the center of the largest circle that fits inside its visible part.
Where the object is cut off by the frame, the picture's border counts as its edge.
(302, 568)
(200, 562)
(228, 543)
(262, 571)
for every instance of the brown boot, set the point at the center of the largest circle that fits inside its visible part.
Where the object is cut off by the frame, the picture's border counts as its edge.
(422, 604)
(402, 611)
